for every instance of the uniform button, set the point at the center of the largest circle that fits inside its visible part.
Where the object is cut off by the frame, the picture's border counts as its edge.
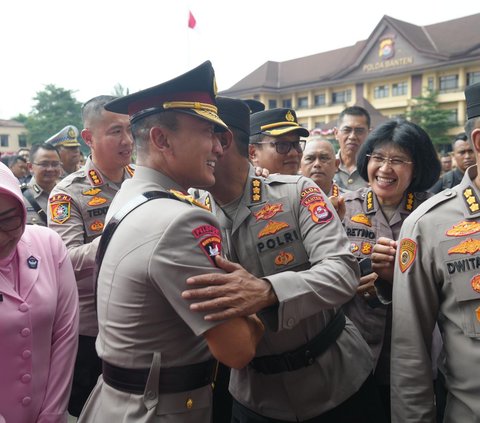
(447, 193)
(26, 354)
(189, 403)
(291, 322)
(23, 307)
(26, 400)
(350, 181)
(150, 395)
(25, 332)
(26, 378)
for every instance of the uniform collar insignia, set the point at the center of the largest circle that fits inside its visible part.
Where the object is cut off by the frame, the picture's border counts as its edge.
(471, 200)
(256, 190)
(370, 201)
(409, 200)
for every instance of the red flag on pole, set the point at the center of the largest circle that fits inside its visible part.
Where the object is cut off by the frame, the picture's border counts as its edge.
(191, 20)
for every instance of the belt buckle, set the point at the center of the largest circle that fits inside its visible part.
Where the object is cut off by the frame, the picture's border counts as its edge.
(289, 361)
(309, 358)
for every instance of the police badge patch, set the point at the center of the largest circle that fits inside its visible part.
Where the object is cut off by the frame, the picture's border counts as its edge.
(408, 252)
(60, 208)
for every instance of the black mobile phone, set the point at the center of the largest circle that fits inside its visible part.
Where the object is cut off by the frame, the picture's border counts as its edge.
(365, 266)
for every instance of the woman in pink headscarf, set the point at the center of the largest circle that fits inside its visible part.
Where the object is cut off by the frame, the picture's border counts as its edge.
(38, 315)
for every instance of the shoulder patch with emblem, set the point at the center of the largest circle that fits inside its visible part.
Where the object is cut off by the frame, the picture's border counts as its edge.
(205, 230)
(313, 200)
(60, 208)
(463, 228)
(408, 252)
(361, 218)
(469, 246)
(92, 191)
(211, 246)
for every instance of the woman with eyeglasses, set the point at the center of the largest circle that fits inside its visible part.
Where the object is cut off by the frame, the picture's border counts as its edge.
(38, 315)
(399, 162)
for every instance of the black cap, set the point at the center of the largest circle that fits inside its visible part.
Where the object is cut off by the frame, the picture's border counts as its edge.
(255, 105)
(276, 122)
(235, 113)
(192, 93)
(472, 95)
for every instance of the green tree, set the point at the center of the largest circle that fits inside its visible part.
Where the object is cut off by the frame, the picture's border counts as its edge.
(436, 122)
(54, 109)
(119, 90)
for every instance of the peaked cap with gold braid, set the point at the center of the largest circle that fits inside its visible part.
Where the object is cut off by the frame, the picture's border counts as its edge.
(276, 122)
(192, 93)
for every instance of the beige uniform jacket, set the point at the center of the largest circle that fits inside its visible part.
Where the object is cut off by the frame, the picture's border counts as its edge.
(303, 250)
(364, 223)
(143, 321)
(437, 277)
(346, 180)
(41, 197)
(76, 211)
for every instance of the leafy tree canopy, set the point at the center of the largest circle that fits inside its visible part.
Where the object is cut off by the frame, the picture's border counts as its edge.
(435, 121)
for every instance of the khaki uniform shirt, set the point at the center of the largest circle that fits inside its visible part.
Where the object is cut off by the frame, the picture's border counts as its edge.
(143, 320)
(76, 211)
(364, 223)
(437, 278)
(303, 250)
(41, 197)
(346, 180)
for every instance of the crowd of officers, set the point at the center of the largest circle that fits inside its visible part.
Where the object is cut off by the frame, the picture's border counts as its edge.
(302, 284)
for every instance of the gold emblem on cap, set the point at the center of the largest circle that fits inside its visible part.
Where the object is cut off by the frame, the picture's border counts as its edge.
(289, 117)
(71, 133)
(189, 403)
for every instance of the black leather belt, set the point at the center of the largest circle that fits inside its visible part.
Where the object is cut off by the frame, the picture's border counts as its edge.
(172, 379)
(303, 356)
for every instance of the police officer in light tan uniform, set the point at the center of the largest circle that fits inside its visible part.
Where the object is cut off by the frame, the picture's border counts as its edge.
(77, 208)
(284, 228)
(67, 145)
(437, 279)
(157, 354)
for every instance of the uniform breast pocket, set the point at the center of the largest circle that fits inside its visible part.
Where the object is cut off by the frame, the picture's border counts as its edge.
(467, 293)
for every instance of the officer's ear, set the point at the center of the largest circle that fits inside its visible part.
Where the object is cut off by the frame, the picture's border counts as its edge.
(87, 136)
(476, 139)
(159, 138)
(252, 154)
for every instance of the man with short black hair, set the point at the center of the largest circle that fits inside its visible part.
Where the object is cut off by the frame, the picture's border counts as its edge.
(45, 168)
(18, 166)
(351, 132)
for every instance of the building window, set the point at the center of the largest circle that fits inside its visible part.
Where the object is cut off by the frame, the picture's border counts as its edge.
(302, 102)
(287, 103)
(380, 91)
(272, 104)
(22, 140)
(430, 83)
(448, 83)
(340, 97)
(473, 77)
(320, 100)
(453, 117)
(319, 124)
(3, 140)
(400, 88)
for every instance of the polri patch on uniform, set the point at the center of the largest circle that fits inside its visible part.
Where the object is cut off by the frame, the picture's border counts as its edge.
(366, 248)
(96, 226)
(211, 246)
(408, 252)
(475, 282)
(463, 228)
(97, 201)
(284, 258)
(32, 262)
(272, 227)
(309, 191)
(205, 230)
(95, 178)
(268, 211)
(361, 218)
(60, 208)
(469, 246)
(353, 247)
(92, 191)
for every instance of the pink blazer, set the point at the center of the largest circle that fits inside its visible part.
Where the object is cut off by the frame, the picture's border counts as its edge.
(38, 331)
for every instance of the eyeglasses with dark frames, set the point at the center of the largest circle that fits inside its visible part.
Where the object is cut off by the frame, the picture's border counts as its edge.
(380, 160)
(284, 147)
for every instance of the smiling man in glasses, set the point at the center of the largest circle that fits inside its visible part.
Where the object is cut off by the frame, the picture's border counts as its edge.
(45, 167)
(275, 141)
(353, 128)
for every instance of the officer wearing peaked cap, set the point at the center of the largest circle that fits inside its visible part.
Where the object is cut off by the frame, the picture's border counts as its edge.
(68, 147)
(312, 364)
(77, 208)
(275, 140)
(157, 354)
(437, 279)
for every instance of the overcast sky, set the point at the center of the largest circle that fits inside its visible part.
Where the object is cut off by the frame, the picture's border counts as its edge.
(89, 46)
